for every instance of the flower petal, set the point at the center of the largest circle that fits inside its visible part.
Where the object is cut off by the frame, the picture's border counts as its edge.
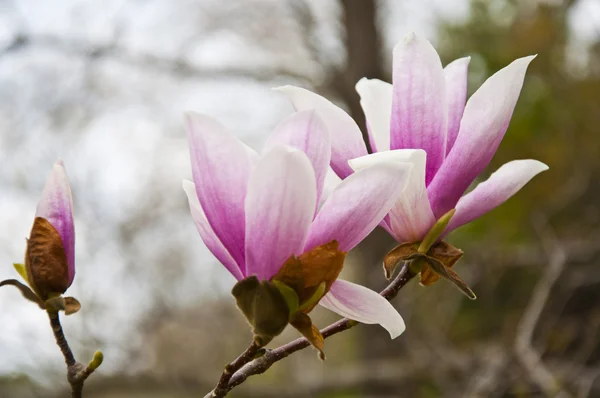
(221, 166)
(356, 302)
(280, 205)
(376, 102)
(346, 139)
(306, 131)
(411, 217)
(419, 108)
(56, 206)
(501, 185)
(484, 122)
(456, 93)
(331, 182)
(207, 234)
(357, 205)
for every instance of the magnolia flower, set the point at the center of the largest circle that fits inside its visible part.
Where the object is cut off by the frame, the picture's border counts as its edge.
(422, 118)
(49, 267)
(259, 214)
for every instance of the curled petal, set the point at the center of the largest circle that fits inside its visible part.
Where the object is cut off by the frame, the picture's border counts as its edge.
(501, 185)
(358, 205)
(56, 206)
(363, 305)
(456, 93)
(411, 217)
(306, 131)
(484, 122)
(221, 166)
(207, 234)
(280, 205)
(346, 139)
(376, 102)
(419, 108)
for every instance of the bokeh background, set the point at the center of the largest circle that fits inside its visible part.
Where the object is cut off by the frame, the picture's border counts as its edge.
(103, 85)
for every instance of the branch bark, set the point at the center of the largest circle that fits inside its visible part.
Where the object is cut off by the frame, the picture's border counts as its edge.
(77, 373)
(248, 366)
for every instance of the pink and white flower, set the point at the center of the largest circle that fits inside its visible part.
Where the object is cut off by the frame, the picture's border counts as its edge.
(255, 211)
(424, 118)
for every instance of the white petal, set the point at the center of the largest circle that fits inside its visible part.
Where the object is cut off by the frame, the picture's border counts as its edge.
(346, 138)
(411, 217)
(207, 234)
(358, 205)
(356, 302)
(497, 189)
(331, 183)
(376, 102)
(306, 131)
(280, 205)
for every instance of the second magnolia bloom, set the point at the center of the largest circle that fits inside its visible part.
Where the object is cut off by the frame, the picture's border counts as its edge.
(257, 213)
(424, 118)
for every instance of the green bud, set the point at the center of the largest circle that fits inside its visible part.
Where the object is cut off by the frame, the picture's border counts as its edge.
(264, 306)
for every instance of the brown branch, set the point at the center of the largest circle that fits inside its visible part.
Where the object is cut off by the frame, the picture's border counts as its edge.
(260, 365)
(77, 373)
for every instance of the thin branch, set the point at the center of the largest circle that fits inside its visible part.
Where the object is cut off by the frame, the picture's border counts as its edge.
(262, 364)
(77, 373)
(527, 355)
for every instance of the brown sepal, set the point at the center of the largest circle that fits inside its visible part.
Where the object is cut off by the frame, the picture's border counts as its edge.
(403, 252)
(304, 325)
(305, 273)
(446, 254)
(46, 260)
(439, 268)
(25, 291)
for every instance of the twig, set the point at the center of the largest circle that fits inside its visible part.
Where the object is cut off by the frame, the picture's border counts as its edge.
(527, 355)
(222, 387)
(77, 373)
(260, 365)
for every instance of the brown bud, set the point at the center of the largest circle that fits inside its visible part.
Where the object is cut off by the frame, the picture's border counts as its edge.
(46, 260)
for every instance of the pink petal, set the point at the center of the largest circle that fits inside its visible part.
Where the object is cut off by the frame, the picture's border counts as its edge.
(456, 94)
(207, 234)
(411, 217)
(419, 108)
(485, 120)
(376, 102)
(307, 132)
(56, 206)
(363, 305)
(221, 166)
(280, 205)
(346, 139)
(357, 205)
(501, 185)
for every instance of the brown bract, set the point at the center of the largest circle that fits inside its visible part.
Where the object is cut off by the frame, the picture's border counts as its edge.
(46, 260)
(305, 273)
(304, 325)
(436, 263)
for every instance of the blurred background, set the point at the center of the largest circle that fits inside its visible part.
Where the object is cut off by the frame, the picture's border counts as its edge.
(103, 86)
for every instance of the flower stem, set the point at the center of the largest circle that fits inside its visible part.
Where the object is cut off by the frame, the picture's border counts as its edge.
(246, 366)
(77, 373)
